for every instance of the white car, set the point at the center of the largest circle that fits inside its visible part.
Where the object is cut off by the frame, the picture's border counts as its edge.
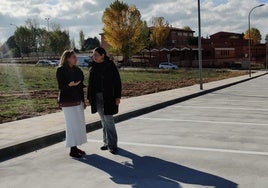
(46, 63)
(57, 62)
(167, 65)
(84, 61)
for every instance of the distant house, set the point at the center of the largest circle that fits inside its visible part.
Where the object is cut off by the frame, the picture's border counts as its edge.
(230, 47)
(3, 50)
(179, 48)
(221, 49)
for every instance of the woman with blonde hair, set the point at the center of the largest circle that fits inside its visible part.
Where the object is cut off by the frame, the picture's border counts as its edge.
(71, 99)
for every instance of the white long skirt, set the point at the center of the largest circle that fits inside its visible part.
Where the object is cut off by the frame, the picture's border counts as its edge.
(75, 125)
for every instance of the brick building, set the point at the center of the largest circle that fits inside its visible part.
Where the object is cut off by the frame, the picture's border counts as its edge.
(226, 48)
(222, 49)
(177, 48)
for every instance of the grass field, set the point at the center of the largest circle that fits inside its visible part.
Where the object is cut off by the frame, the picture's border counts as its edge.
(27, 91)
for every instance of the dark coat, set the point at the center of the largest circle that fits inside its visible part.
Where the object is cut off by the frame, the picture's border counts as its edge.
(112, 88)
(68, 94)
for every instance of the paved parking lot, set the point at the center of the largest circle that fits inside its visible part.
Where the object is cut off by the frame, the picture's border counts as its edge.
(218, 140)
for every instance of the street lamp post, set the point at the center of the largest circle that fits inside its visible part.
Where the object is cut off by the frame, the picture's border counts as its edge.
(200, 48)
(47, 19)
(20, 44)
(266, 56)
(249, 37)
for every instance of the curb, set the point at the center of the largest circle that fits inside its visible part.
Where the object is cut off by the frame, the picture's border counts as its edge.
(35, 144)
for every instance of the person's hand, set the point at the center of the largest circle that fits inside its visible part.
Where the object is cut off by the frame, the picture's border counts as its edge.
(72, 84)
(117, 101)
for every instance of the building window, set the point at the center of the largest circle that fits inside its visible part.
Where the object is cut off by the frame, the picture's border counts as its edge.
(179, 33)
(225, 52)
(185, 34)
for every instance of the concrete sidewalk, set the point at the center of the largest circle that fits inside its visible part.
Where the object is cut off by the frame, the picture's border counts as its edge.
(216, 140)
(20, 137)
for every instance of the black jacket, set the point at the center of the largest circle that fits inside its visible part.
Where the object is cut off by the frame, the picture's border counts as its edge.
(65, 75)
(111, 87)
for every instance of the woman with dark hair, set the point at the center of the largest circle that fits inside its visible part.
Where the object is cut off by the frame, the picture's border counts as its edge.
(71, 99)
(104, 93)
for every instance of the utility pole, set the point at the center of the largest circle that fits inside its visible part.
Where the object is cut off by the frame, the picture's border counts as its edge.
(200, 48)
(249, 37)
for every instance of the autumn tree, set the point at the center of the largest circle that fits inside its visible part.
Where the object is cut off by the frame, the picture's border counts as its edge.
(82, 40)
(160, 31)
(255, 35)
(123, 28)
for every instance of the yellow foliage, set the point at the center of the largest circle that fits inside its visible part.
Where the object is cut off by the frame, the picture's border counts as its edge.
(123, 28)
(160, 31)
(255, 35)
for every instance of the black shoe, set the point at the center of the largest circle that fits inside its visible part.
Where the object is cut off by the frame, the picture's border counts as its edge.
(104, 148)
(114, 151)
(75, 154)
(81, 152)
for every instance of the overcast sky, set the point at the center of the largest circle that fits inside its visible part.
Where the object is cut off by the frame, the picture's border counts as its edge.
(74, 15)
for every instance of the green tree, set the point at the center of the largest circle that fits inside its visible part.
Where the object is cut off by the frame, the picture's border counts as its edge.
(91, 43)
(187, 28)
(123, 28)
(13, 47)
(42, 40)
(59, 41)
(255, 35)
(145, 35)
(160, 31)
(72, 45)
(82, 40)
(24, 39)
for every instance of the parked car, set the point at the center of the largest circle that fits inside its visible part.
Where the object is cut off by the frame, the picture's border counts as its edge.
(46, 63)
(84, 61)
(57, 62)
(167, 65)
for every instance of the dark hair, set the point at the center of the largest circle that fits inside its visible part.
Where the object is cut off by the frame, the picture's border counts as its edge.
(102, 51)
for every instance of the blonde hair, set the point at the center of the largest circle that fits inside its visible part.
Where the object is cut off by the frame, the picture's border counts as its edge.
(65, 56)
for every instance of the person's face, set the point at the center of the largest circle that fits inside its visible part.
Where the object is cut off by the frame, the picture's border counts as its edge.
(97, 57)
(72, 60)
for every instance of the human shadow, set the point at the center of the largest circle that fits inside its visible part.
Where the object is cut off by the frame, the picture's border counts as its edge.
(151, 172)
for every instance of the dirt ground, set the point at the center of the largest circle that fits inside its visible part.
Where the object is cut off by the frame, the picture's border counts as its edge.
(129, 90)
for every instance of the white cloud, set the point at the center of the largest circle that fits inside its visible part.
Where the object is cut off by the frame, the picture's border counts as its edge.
(74, 15)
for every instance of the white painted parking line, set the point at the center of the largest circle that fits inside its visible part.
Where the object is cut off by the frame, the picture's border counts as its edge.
(221, 108)
(225, 100)
(187, 148)
(201, 121)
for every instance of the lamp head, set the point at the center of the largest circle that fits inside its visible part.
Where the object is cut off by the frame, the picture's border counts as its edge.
(261, 5)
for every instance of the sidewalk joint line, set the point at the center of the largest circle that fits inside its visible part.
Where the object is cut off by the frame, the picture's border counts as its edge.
(188, 148)
(220, 108)
(200, 121)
